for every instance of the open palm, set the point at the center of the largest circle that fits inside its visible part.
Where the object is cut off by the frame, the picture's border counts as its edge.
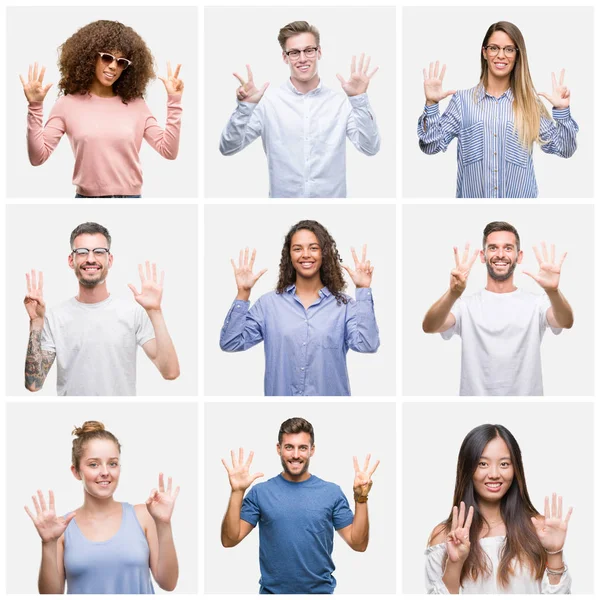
(548, 276)
(561, 95)
(151, 295)
(433, 83)
(552, 529)
(240, 478)
(48, 524)
(360, 77)
(34, 88)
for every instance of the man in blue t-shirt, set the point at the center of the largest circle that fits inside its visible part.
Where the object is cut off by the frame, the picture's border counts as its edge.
(297, 513)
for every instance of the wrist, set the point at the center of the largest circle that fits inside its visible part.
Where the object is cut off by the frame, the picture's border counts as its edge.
(162, 525)
(359, 499)
(36, 324)
(49, 543)
(243, 295)
(553, 292)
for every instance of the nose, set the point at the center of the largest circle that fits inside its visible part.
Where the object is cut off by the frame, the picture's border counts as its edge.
(500, 252)
(103, 471)
(494, 473)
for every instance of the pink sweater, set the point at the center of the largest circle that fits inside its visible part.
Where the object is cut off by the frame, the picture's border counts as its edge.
(106, 137)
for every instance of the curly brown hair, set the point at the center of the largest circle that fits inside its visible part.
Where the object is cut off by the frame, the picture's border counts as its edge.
(79, 54)
(330, 272)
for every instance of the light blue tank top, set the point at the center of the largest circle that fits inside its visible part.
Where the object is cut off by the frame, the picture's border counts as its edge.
(120, 565)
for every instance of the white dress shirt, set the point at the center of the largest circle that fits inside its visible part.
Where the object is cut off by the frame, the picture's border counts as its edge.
(304, 138)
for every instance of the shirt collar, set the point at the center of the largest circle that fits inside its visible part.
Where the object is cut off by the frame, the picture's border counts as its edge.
(290, 86)
(481, 93)
(324, 291)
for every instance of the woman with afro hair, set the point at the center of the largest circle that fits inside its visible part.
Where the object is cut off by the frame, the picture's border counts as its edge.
(308, 323)
(105, 68)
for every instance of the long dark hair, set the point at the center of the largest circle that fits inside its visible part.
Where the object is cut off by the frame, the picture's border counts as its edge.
(330, 272)
(522, 543)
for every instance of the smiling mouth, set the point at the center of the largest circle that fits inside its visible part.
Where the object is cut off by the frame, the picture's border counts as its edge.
(91, 268)
(500, 65)
(307, 265)
(108, 75)
(303, 68)
(493, 487)
(104, 483)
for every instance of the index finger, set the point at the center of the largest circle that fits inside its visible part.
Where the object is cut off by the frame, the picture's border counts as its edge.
(176, 74)
(469, 518)
(455, 249)
(373, 469)
(454, 518)
(473, 258)
(250, 457)
(537, 255)
(353, 65)
(141, 272)
(40, 280)
(367, 460)
(355, 462)
(43, 71)
(161, 482)
(239, 78)
(250, 76)
(354, 256)
(442, 73)
(169, 70)
(562, 76)
(51, 499)
(364, 253)
(28, 283)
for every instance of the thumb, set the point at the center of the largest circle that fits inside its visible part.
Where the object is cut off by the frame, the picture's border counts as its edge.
(151, 497)
(544, 95)
(449, 93)
(340, 79)
(260, 274)
(263, 89)
(132, 288)
(69, 518)
(530, 275)
(257, 475)
(347, 269)
(45, 90)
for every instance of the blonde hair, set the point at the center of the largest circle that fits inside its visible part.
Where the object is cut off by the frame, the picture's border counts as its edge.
(294, 28)
(528, 109)
(90, 430)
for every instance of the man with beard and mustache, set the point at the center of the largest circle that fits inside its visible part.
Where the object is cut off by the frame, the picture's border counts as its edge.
(303, 124)
(501, 326)
(95, 336)
(297, 513)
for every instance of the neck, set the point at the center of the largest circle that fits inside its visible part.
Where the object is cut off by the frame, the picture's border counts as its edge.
(92, 295)
(98, 506)
(97, 89)
(310, 286)
(295, 478)
(500, 287)
(496, 86)
(490, 511)
(305, 86)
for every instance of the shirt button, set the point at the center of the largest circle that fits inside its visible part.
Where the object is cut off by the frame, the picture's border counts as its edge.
(302, 368)
(304, 343)
(306, 320)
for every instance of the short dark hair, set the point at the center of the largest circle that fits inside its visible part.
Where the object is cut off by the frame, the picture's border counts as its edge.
(90, 228)
(500, 226)
(296, 425)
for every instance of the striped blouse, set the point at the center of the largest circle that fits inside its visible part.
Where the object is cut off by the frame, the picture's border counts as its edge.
(492, 163)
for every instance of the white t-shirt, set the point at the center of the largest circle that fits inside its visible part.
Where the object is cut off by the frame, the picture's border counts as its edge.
(501, 336)
(96, 345)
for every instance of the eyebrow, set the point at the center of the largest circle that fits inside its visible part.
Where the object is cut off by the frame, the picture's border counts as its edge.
(298, 49)
(111, 458)
(503, 458)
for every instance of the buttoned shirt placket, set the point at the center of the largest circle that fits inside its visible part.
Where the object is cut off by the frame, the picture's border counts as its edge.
(302, 368)
(495, 162)
(306, 118)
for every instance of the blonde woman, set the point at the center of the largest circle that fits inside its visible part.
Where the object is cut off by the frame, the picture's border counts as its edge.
(497, 121)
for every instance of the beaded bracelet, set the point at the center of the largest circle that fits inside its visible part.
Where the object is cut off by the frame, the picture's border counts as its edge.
(554, 572)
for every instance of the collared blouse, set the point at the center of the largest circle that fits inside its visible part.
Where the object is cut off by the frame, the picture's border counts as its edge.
(492, 163)
(305, 348)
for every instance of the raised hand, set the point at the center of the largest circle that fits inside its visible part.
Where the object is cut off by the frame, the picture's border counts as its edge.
(363, 271)
(244, 277)
(458, 544)
(161, 502)
(34, 300)
(239, 472)
(248, 92)
(432, 84)
(552, 530)
(460, 274)
(173, 84)
(48, 525)
(362, 477)
(34, 88)
(561, 95)
(549, 274)
(359, 77)
(151, 295)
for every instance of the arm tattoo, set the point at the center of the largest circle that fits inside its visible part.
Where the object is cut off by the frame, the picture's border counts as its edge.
(37, 363)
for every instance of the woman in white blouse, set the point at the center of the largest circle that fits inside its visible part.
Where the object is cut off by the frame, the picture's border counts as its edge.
(500, 544)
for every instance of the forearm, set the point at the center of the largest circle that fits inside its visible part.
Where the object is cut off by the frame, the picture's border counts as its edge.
(240, 330)
(451, 576)
(563, 313)
(168, 567)
(436, 316)
(37, 363)
(231, 526)
(436, 131)
(40, 141)
(166, 356)
(238, 132)
(166, 141)
(364, 336)
(360, 527)
(50, 580)
(365, 134)
(560, 134)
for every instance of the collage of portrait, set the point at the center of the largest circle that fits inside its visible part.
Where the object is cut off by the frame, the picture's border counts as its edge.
(211, 212)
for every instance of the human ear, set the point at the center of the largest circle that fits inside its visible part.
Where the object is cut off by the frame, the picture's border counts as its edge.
(278, 449)
(482, 256)
(70, 261)
(519, 257)
(75, 473)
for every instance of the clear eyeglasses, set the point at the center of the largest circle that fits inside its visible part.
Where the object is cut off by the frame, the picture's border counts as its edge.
(309, 52)
(98, 252)
(509, 51)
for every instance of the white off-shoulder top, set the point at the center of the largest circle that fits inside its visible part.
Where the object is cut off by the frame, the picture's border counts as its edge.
(522, 581)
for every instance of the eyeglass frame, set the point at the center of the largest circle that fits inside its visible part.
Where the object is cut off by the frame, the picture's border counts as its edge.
(77, 253)
(288, 52)
(503, 48)
(115, 59)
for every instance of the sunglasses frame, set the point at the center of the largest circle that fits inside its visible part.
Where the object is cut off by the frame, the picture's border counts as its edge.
(128, 63)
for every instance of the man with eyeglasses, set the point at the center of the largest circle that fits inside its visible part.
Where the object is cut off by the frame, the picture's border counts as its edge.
(94, 335)
(303, 124)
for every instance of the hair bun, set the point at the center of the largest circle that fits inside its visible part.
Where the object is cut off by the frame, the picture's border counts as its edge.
(88, 427)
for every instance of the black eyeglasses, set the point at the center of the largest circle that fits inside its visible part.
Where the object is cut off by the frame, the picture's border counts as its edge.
(98, 252)
(493, 50)
(309, 52)
(108, 59)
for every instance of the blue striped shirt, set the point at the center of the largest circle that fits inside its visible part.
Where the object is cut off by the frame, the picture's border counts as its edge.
(492, 163)
(305, 348)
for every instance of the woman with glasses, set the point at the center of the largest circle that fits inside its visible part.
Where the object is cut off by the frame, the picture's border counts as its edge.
(105, 68)
(494, 541)
(105, 546)
(498, 121)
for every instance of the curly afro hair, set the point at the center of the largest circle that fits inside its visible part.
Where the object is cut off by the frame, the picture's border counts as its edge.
(79, 54)
(330, 272)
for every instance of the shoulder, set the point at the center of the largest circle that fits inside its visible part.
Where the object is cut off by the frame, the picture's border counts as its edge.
(141, 512)
(438, 535)
(270, 297)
